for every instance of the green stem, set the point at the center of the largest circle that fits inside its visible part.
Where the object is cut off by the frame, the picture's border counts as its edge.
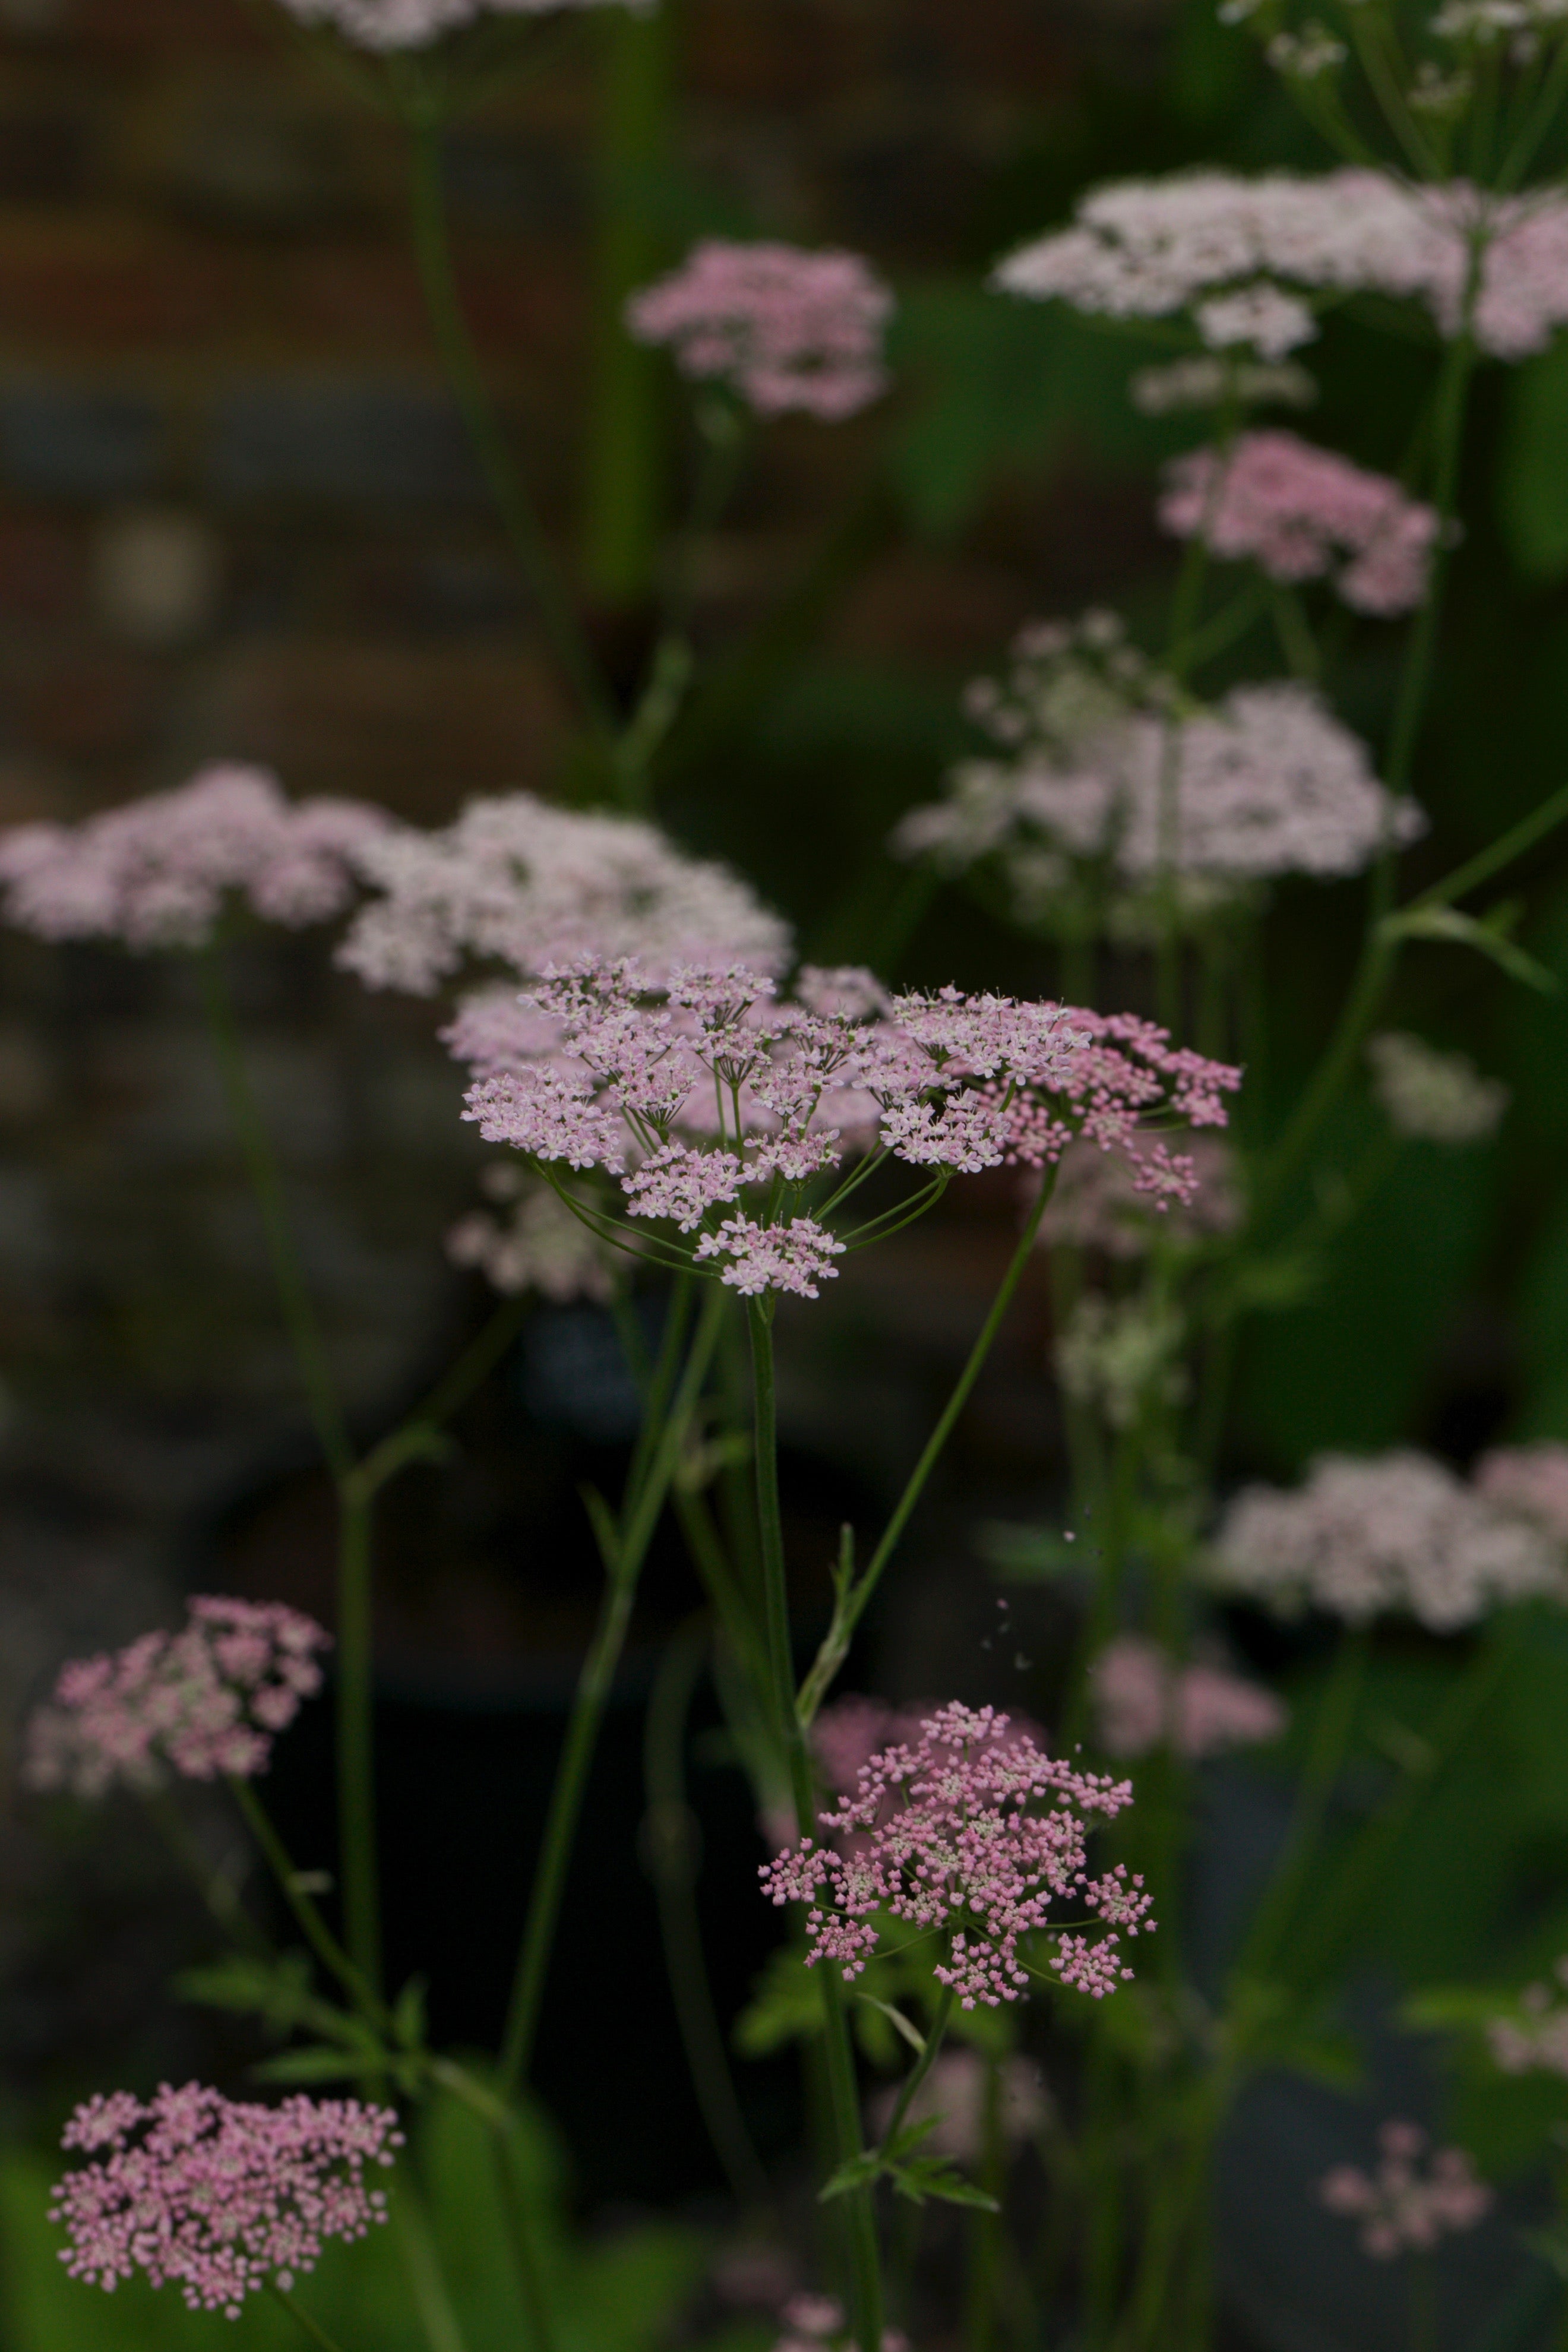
(301, 2317)
(1325, 1758)
(921, 2067)
(670, 1835)
(322, 1399)
(307, 1918)
(852, 1606)
(501, 2118)
(415, 1437)
(356, 1737)
(1449, 433)
(985, 2229)
(629, 1542)
(865, 2264)
(426, 2280)
(433, 254)
(1502, 852)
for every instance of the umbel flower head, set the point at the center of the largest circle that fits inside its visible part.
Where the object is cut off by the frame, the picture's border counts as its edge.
(783, 328)
(391, 25)
(1299, 513)
(721, 1111)
(1102, 788)
(204, 1701)
(1534, 2039)
(1402, 2209)
(1143, 1699)
(1395, 1532)
(535, 1241)
(1241, 259)
(947, 1834)
(1430, 1097)
(518, 883)
(1531, 1480)
(219, 2195)
(1095, 1204)
(157, 872)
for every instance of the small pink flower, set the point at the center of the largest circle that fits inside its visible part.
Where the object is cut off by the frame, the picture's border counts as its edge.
(200, 1702)
(786, 329)
(1401, 2210)
(1529, 1479)
(938, 1835)
(219, 2195)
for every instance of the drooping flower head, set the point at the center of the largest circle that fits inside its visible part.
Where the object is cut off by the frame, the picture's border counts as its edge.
(156, 873)
(518, 883)
(205, 1701)
(387, 25)
(1143, 1699)
(974, 1835)
(1395, 1532)
(1431, 1097)
(721, 1110)
(1102, 792)
(1244, 261)
(218, 2196)
(783, 328)
(1301, 513)
(1401, 2208)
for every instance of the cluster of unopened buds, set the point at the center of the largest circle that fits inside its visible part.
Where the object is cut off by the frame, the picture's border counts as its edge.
(200, 1702)
(940, 1834)
(721, 1110)
(1401, 2208)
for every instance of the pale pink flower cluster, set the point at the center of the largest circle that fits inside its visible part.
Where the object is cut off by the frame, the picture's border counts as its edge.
(517, 882)
(784, 328)
(1432, 1096)
(390, 24)
(1299, 512)
(156, 872)
(220, 2196)
(953, 2099)
(811, 2322)
(1529, 1479)
(696, 1090)
(1143, 1699)
(204, 1701)
(1394, 1531)
(1402, 2209)
(1239, 255)
(1095, 1205)
(537, 1243)
(1535, 2040)
(938, 1835)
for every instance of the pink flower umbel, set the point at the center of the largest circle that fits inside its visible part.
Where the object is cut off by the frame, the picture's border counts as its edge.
(721, 1111)
(816, 2322)
(784, 329)
(939, 1836)
(1401, 2210)
(200, 1703)
(157, 872)
(1301, 512)
(218, 2196)
(1143, 1699)
(1531, 1480)
(1535, 2040)
(392, 25)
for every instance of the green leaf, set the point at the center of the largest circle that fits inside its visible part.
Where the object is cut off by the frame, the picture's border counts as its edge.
(786, 2006)
(901, 2023)
(930, 2177)
(409, 2016)
(278, 1990)
(318, 2061)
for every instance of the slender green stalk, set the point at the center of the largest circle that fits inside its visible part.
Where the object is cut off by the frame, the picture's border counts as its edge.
(501, 2118)
(356, 1740)
(860, 2224)
(422, 2262)
(853, 1604)
(219, 1896)
(301, 2317)
(1449, 433)
(671, 1833)
(1325, 1759)
(502, 474)
(626, 1549)
(921, 2067)
(314, 1928)
(985, 2229)
(416, 1438)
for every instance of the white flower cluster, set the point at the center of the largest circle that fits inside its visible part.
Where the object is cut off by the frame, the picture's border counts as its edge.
(390, 24)
(1121, 1355)
(1433, 1098)
(1393, 1532)
(1098, 778)
(1484, 21)
(1204, 380)
(1242, 258)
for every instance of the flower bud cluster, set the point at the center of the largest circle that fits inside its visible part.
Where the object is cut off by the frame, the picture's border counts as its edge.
(784, 329)
(1402, 2209)
(205, 1701)
(938, 1835)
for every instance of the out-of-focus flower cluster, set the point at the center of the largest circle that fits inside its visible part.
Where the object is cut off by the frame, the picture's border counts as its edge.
(1106, 791)
(1394, 1532)
(218, 2196)
(939, 1836)
(1142, 1700)
(1240, 258)
(1402, 2209)
(694, 1092)
(1096, 1205)
(952, 2098)
(157, 872)
(1430, 1097)
(390, 24)
(1122, 1355)
(1529, 1479)
(1204, 380)
(816, 2322)
(536, 1242)
(784, 329)
(1535, 2040)
(202, 1701)
(1299, 512)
